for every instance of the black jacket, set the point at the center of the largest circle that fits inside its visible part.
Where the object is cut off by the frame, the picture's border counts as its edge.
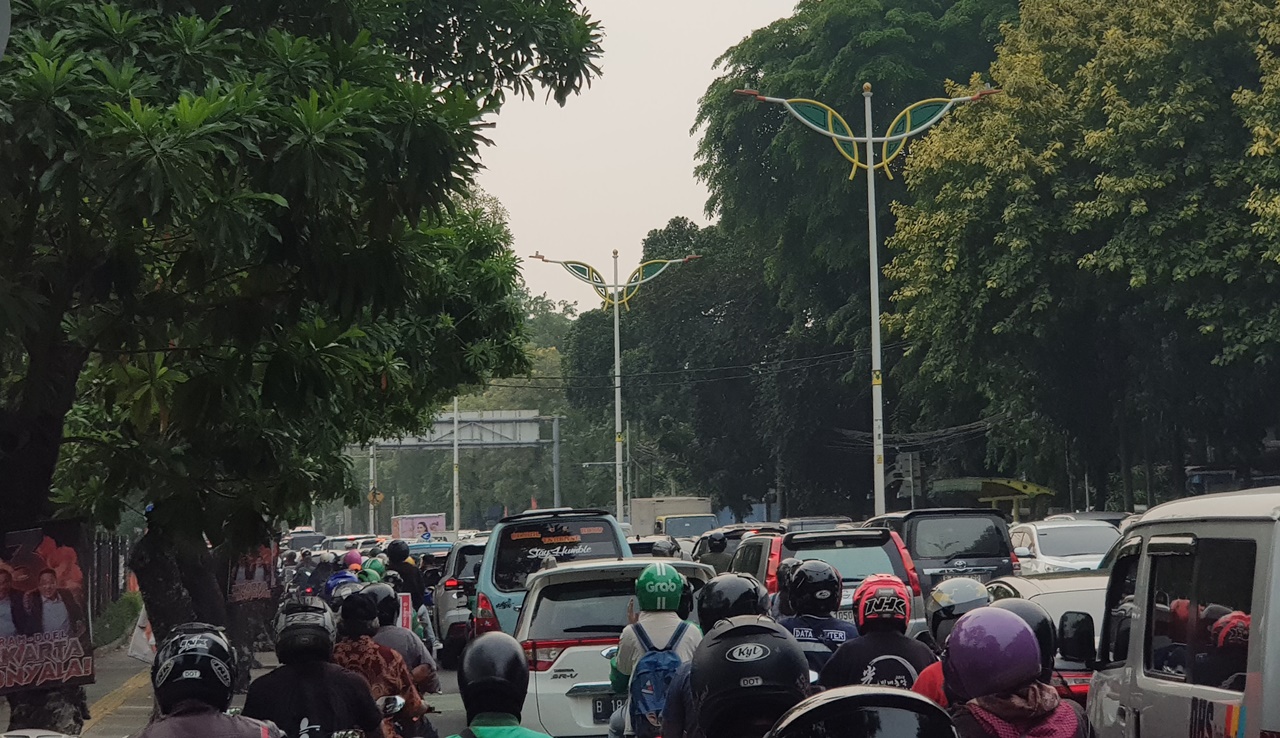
(320, 693)
(412, 581)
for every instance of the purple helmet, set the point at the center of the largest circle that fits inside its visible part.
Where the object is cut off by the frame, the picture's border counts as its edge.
(990, 651)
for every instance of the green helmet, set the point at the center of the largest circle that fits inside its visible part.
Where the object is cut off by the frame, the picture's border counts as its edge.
(369, 576)
(659, 587)
(375, 565)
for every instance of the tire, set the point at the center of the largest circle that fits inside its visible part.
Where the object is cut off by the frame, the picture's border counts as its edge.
(451, 653)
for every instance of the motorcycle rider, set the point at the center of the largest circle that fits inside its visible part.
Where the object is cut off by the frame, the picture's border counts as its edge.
(384, 669)
(493, 680)
(326, 565)
(421, 663)
(664, 549)
(724, 597)
(865, 713)
(716, 555)
(993, 666)
(658, 625)
(398, 560)
(780, 603)
(882, 655)
(308, 693)
(815, 589)
(192, 677)
(1041, 623)
(948, 602)
(747, 672)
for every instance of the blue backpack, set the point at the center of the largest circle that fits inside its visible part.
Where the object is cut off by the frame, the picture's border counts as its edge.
(649, 681)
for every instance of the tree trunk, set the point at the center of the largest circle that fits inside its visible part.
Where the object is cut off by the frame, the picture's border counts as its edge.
(167, 600)
(1126, 468)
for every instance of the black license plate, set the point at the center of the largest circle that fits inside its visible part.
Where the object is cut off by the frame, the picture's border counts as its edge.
(602, 708)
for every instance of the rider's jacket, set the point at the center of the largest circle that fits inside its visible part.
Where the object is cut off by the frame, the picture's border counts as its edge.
(192, 717)
(819, 637)
(499, 725)
(313, 700)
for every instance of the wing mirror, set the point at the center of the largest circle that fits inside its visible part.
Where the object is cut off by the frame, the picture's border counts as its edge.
(390, 705)
(1076, 637)
(609, 652)
(1023, 552)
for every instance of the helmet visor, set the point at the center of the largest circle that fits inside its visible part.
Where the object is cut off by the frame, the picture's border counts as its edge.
(851, 721)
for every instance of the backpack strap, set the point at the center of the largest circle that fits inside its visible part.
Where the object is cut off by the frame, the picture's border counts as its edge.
(643, 637)
(676, 636)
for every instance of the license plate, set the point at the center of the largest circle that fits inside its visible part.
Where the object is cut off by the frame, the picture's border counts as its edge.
(975, 576)
(846, 615)
(602, 708)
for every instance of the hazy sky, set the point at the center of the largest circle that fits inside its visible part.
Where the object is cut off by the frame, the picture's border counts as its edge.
(616, 162)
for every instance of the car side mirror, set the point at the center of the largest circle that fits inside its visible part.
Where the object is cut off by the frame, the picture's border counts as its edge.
(609, 652)
(1076, 637)
(390, 705)
(1023, 552)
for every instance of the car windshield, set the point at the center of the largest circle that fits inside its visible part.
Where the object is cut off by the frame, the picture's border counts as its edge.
(581, 609)
(948, 537)
(299, 541)
(853, 562)
(690, 526)
(524, 545)
(1084, 540)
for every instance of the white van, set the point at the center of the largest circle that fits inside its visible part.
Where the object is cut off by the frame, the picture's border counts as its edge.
(1177, 654)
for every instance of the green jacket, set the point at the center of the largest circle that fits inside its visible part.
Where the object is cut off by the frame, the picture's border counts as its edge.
(500, 725)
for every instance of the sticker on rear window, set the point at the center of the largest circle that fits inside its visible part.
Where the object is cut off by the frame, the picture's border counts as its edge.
(541, 553)
(586, 531)
(520, 535)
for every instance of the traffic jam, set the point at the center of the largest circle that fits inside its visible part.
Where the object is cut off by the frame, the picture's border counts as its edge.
(949, 621)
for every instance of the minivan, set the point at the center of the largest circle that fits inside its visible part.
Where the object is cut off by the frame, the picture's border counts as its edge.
(947, 543)
(522, 544)
(1177, 654)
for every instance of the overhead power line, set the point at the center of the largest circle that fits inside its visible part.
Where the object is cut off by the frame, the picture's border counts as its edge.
(862, 440)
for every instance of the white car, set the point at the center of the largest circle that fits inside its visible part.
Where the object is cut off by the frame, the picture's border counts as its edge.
(1062, 545)
(573, 613)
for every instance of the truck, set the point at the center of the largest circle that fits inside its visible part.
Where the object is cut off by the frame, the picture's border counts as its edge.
(682, 518)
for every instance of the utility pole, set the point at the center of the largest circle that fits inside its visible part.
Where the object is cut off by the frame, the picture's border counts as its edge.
(617, 394)
(457, 499)
(555, 461)
(373, 482)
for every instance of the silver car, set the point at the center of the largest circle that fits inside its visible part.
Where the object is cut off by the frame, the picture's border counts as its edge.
(1062, 545)
(451, 597)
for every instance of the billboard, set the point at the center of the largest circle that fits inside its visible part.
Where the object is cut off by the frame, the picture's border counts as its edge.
(44, 612)
(253, 575)
(417, 527)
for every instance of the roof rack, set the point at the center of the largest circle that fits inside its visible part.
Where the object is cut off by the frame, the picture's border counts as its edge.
(554, 512)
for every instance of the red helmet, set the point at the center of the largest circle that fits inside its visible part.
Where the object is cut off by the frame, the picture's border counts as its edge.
(882, 598)
(1231, 630)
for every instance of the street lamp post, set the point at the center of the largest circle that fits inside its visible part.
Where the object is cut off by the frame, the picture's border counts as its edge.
(910, 122)
(614, 294)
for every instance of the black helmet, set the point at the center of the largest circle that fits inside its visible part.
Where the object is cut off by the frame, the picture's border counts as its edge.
(397, 551)
(387, 601)
(785, 569)
(663, 548)
(815, 588)
(747, 672)
(865, 712)
(342, 592)
(375, 552)
(717, 543)
(393, 578)
(195, 662)
(359, 615)
(685, 608)
(951, 599)
(1041, 624)
(304, 630)
(493, 676)
(729, 595)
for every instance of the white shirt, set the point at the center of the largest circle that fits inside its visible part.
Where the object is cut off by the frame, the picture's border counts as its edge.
(659, 626)
(54, 616)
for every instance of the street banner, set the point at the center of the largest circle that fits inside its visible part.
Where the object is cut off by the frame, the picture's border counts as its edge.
(44, 613)
(417, 527)
(253, 575)
(406, 610)
(142, 644)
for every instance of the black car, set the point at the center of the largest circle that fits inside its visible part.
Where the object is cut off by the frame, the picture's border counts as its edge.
(733, 534)
(946, 543)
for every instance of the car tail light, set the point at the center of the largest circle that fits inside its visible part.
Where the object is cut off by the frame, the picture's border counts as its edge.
(913, 577)
(771, 570)
(542, 655)
(1017, 565)
(452, 583)
(486, 618)
(1073, 685)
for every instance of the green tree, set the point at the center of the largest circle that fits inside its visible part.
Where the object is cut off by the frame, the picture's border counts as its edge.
(225, 249)
(1087, 252)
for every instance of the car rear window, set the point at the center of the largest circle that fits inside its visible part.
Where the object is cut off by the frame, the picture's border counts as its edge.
(464, 564)
(944, 537)
(581, 609)
(691, 526)
(299, 541)
(853, 562)
(523, 546)
(1077, 540)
